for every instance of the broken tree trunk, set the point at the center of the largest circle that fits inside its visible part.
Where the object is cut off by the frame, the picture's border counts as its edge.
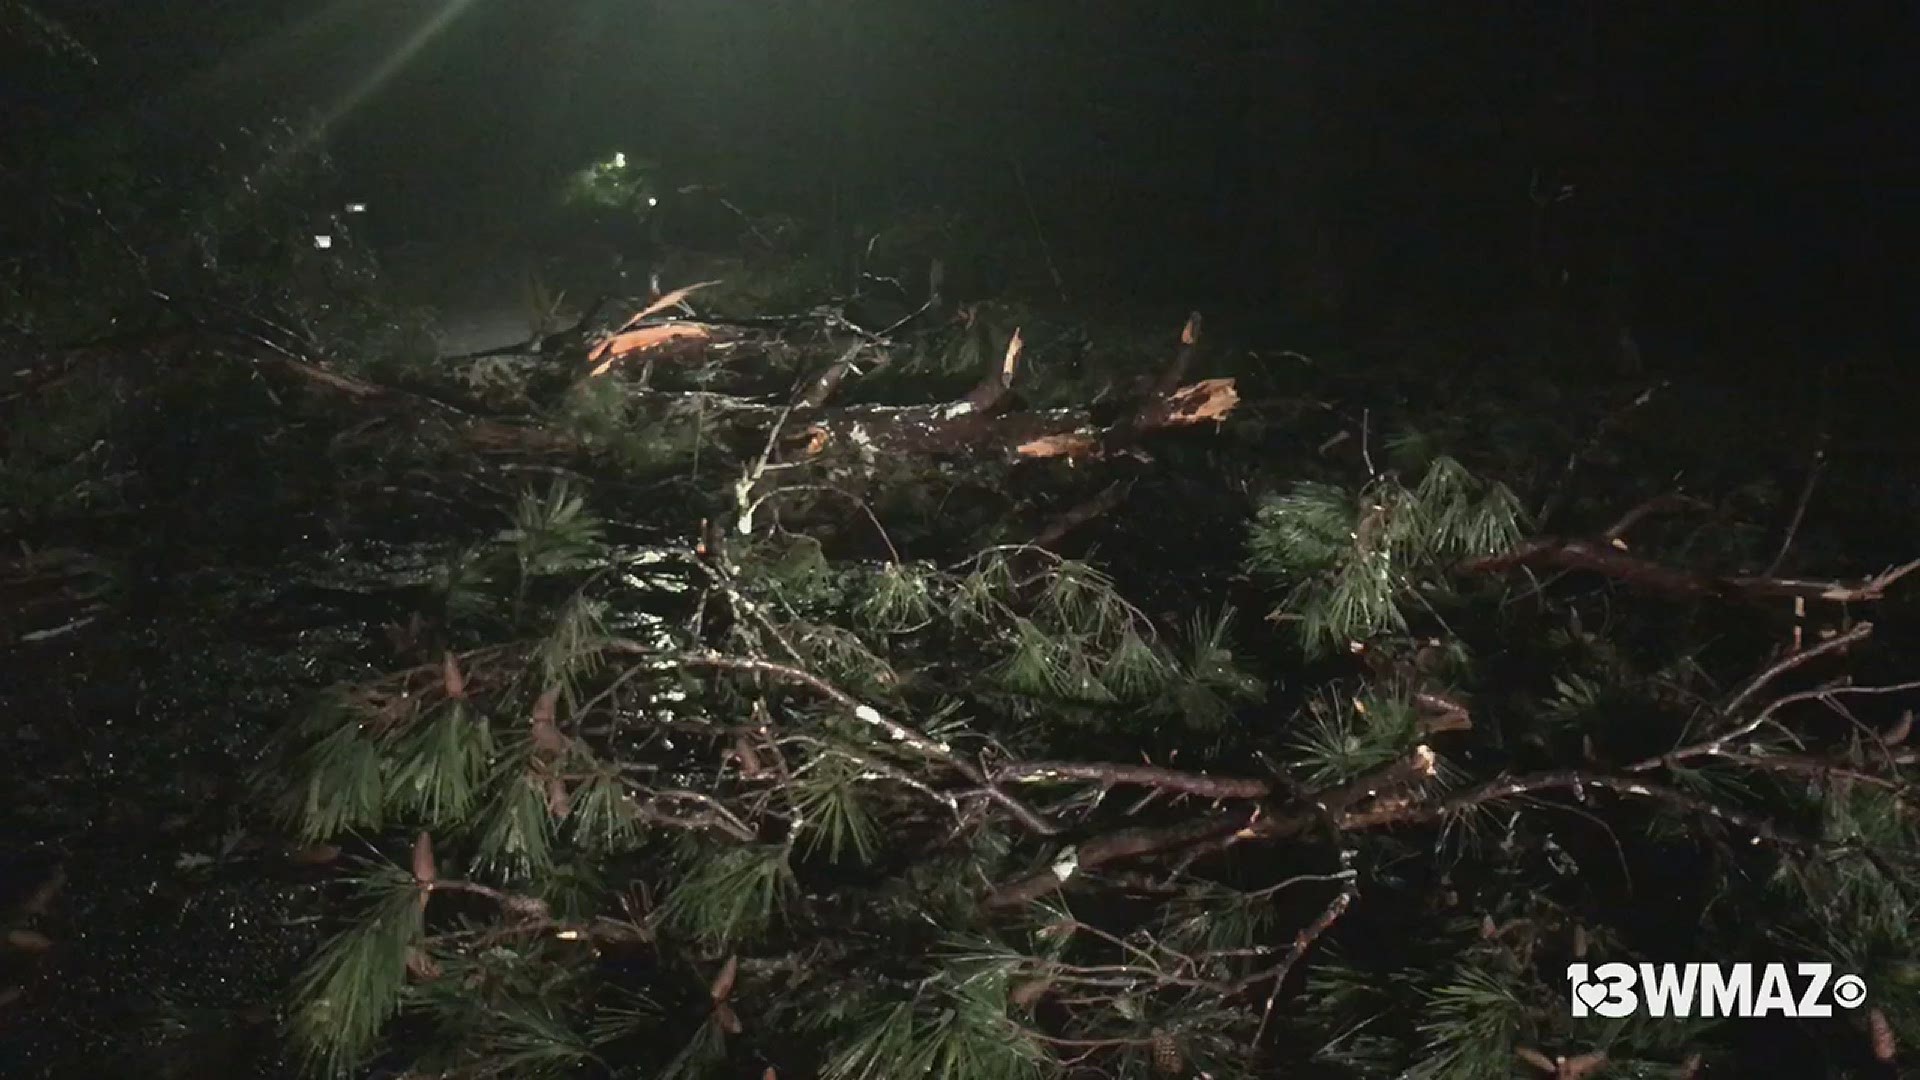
(979, 423)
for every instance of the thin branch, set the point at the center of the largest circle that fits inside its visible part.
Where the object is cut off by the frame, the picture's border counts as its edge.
(714, 816)
(1856, 633)
(892, 552)
(1659, 504)
(894, 729)
(1109, 774)
(1603, 558)
(1556, 495)
(1301, 943)
(1814, 470)
(1565, 780)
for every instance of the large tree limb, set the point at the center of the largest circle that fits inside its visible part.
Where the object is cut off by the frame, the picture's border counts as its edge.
(1611, 561)
(1394, 796)
(980, 423)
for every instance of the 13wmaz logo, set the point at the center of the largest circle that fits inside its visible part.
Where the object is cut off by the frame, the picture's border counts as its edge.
(1711, 990)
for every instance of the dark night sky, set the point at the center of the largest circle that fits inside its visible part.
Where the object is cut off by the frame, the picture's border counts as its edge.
(1753, 161)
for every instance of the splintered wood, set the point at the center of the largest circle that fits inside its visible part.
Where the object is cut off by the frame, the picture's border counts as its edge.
(645, 339)
(633, 338)
(979, 420)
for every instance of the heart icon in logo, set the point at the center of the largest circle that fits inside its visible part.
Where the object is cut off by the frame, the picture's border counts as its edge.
(1591, 994)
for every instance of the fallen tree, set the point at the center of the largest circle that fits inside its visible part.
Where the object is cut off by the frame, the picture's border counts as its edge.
(751, 801)
(895, 802)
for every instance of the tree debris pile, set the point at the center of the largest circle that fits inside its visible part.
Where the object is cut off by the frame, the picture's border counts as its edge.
(824, 804)
(869, 699)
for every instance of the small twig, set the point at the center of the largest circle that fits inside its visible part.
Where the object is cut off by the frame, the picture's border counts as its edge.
(828, 381)
(722, 576)
(1874, 588)
(1824, 694)
(1046, 249)
(743, 488)
(1659, 504)
(892, 552)
(716, 816)
(1301, 943)
(877, 768)
(1800, 508)
(1856, 633)
(1122, 844)
(1822, 769)
(1580, 454)
(1563, 780)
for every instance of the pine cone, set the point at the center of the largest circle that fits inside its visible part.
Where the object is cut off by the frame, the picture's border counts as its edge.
(1166, 1054)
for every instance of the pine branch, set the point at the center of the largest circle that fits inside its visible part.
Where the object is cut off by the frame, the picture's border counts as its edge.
(1301, 943)
(1609, 561)
(893, 729)
(1109, 774)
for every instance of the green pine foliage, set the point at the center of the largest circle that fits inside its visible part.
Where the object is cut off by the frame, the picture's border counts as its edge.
(761, 764)
(955, 1027)
(530, 761)
(1355, 560)
(731, 895)
(1343, 738)
(358, 981)
(799, 771)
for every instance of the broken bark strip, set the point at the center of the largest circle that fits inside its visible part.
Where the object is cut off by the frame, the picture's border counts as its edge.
(631, 337)
(1211, 400)
(1170, 379)
(658, 342)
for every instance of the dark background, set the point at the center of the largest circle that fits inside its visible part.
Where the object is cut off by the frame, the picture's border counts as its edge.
(1742, 173)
